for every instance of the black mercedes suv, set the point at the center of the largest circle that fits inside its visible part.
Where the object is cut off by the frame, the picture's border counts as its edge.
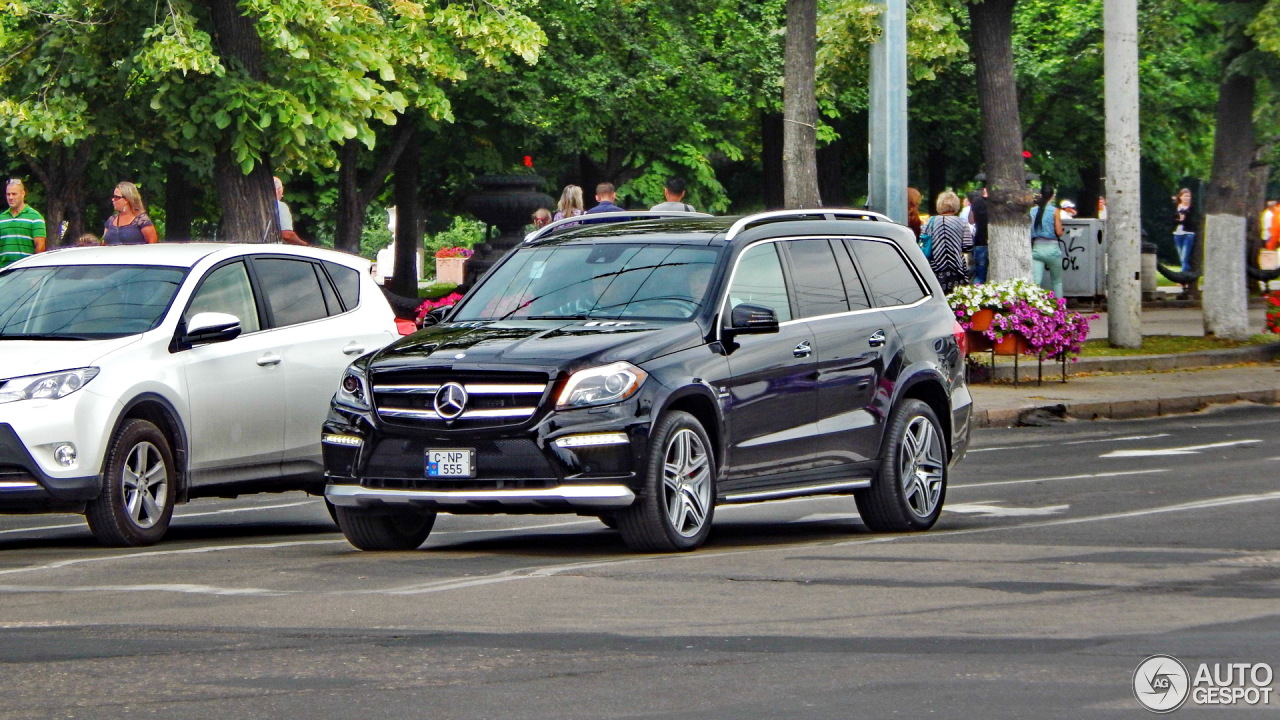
(648, 369)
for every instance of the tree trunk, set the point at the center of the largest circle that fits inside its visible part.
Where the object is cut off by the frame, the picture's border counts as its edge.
(1225, 301)
(1008, 239)
(247, 200)
(354, 198)
(404, 280)
(350, 213)
(179, 202)
(62, 173)
(800, 107)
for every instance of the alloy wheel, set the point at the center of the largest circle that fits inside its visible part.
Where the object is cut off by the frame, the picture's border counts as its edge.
(145, 480)
(686, 482)
(921, 466)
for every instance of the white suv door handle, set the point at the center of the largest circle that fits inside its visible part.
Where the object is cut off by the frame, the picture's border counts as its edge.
(269, 359)
(803, 350)
(877, 339)
(353, 349)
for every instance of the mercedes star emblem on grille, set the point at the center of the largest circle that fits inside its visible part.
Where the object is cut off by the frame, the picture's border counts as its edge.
(451, 400)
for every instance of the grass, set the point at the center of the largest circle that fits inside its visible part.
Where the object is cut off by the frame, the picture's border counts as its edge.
(1173, 344)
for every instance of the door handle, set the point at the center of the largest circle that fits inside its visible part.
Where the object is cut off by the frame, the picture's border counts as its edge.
(268, 360)
(802, 350)
(353, 349)
(877, 339)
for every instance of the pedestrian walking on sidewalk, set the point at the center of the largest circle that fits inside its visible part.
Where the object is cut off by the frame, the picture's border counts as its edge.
(1046, 253)
(130, 225)
(950, 237)
(1184, 228)
(22, 230)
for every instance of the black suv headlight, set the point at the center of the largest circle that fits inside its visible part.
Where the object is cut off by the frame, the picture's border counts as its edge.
(49, 386)
(601, 385)
(353, 389)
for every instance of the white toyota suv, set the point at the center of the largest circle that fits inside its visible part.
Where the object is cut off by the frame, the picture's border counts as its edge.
(136, 377)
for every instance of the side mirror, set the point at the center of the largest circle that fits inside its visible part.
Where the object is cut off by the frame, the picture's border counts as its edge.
(748, 319)
(435, 316)
(210, 327)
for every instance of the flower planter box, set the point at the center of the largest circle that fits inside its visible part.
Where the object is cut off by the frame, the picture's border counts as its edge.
(981, 319)
(1012, 344)
(451, 270)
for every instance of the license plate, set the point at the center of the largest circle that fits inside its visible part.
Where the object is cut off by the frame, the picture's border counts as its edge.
(451, 463)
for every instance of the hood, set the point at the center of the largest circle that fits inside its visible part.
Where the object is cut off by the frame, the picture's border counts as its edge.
(34, 357)
(543, 345)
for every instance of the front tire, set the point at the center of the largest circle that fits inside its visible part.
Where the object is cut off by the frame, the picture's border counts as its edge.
(676, 506)
(138, 488)
(909, 490)
(400, 529)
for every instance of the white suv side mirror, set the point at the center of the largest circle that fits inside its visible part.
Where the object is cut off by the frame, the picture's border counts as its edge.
(210, 327)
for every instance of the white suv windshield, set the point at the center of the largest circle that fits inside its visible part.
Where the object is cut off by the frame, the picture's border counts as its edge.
(84, 302)
(608, 280)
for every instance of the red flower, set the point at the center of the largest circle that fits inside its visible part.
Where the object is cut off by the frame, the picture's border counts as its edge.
(528, 161)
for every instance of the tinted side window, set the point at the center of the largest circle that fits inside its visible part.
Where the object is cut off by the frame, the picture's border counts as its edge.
(227, 290)
(819, 289)
(853, 287)
(347, 280)
(758, 280)
(886, 272)
(292, 290)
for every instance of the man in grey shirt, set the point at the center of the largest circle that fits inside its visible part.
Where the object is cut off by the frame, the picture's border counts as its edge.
(287, 235)
(674, 191)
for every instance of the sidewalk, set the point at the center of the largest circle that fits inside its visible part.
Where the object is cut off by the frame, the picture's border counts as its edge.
(1137, 386)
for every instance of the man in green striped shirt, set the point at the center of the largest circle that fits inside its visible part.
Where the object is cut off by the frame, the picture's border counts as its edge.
(22, 230)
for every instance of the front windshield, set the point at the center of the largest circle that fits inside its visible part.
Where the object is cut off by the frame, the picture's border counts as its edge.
(604, 281)
(84, 302)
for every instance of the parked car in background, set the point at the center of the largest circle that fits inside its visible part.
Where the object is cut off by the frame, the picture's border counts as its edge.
(133, 378)
(647, 370)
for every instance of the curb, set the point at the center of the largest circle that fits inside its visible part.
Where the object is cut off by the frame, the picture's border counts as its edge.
(1033, 415)
(1145, 363)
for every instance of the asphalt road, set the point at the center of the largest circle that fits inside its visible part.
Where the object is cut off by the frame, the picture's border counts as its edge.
(1065, 557)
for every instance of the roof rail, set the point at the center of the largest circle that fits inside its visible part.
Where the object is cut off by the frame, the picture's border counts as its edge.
(546, 230)
(826, 213)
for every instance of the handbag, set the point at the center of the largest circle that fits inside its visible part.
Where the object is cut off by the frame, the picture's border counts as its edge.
(926, 244)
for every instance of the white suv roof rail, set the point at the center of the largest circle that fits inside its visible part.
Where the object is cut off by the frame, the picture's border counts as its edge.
(611, 217)
(800, 214)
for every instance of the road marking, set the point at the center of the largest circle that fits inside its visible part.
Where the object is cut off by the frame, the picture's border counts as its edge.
(1184, 450)
(183, 515)
(551, 570)
(1069, 442)
(992, 510)
(1088, 476)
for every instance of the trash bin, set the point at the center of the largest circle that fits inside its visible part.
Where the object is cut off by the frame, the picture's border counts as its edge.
(1084, 257)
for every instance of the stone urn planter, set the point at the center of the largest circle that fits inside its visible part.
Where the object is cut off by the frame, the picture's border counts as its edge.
(451, 270)
(506, 202)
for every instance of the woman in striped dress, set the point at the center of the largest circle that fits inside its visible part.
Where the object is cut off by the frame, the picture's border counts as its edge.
(951, 236)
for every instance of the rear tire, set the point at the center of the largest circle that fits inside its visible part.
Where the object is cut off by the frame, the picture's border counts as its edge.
(138, 488)
(678, 501)
(909, 489)
(400, 529)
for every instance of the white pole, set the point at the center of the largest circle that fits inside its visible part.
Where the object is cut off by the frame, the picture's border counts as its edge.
(888, 115)
(1124, 260)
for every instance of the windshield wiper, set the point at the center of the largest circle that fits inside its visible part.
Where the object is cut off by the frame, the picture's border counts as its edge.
(42, 336)
(558, 317)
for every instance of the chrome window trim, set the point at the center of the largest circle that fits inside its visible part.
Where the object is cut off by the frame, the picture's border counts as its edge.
(724, 300)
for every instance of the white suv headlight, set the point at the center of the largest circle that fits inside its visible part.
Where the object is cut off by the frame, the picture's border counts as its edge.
(49, 386)
(601, 385)
(353, 389)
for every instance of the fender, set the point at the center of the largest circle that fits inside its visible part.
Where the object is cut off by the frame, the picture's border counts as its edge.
(178, 432)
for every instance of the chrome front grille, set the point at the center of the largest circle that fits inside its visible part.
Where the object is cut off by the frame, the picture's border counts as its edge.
(492, 399)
